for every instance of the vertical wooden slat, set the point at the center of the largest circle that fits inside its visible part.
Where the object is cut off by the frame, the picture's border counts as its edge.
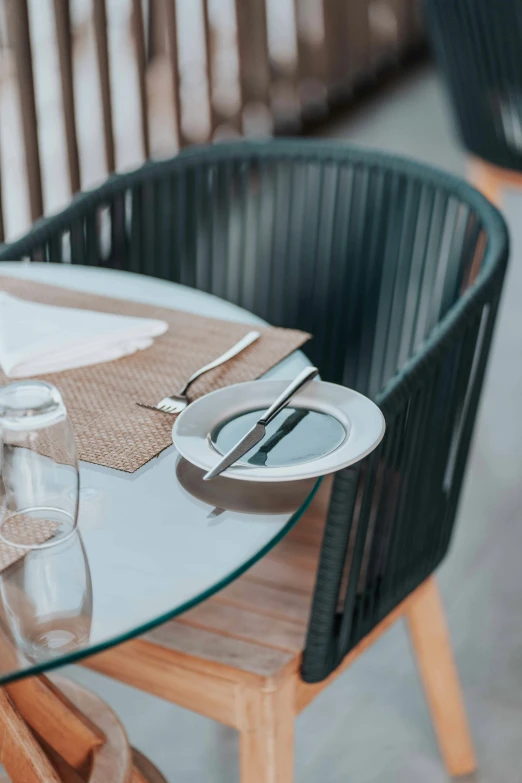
(402, 11)
(156, 44)
(412, 11)
(102, 51)
(252, 41)
(336, 15)
(18, 28)
(417, 28)
(389, 27)
(138, 30)
(62, 19)
(346, 42)
(359, 38)
(2, 229)
(310, 48)
(209, 70)
(171, 21)
(4, 38)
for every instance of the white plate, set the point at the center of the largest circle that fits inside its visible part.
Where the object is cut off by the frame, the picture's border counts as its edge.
(361, 418)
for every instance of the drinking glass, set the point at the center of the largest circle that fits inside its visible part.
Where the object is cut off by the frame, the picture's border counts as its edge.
(39, 478)
(47, 597)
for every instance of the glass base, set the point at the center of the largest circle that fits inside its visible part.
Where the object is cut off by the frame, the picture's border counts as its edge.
(38, 527)
(53, 639)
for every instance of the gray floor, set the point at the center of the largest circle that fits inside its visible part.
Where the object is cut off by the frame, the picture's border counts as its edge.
(372, 726)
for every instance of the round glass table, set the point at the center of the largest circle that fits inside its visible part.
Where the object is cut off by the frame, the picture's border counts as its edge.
(153, 543)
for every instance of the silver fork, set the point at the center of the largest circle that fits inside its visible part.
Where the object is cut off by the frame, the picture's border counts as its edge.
(179, 401)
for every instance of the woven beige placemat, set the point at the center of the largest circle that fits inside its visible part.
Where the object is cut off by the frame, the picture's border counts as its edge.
(109, 427)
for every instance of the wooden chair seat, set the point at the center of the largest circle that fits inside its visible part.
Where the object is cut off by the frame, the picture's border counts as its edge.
(257, 625)
(268, 607)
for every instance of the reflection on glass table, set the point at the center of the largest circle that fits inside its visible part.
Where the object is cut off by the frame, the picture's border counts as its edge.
(47, 596)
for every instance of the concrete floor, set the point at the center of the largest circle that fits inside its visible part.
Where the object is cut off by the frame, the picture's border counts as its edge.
(372, 726)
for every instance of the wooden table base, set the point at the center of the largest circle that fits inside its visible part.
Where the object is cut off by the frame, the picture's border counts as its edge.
(55, 731)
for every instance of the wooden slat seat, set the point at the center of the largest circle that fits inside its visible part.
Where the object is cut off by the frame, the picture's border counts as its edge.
(254, 629)
(269, 605)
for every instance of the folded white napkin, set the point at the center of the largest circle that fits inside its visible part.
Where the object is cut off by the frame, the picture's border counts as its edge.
(36, 339)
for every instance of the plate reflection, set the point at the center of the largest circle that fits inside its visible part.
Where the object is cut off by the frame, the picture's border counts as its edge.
(247, 497)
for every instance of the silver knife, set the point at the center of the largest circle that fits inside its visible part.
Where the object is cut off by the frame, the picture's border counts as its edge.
(257, 432)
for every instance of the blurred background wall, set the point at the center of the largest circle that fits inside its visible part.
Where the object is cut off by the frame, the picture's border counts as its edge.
(92, 86)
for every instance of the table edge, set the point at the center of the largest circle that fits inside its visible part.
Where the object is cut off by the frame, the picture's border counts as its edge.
(79, 655)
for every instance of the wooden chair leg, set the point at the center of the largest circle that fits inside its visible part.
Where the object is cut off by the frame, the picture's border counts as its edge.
(432, 647)
(483, 178)
(266, 734)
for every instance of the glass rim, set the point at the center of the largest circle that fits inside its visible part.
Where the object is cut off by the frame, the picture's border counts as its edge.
(13, 408)
(30, 405)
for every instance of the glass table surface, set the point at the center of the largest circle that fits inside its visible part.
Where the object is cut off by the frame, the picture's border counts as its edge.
(151, 544)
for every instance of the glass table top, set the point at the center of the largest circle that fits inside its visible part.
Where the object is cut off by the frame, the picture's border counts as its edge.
(151, 544)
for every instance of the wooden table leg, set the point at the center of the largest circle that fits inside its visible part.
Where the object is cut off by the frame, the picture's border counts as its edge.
(55, 731)
(56, 720)
(20, 754)
(144, 770)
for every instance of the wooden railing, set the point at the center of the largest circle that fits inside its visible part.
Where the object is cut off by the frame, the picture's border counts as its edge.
(139, 78)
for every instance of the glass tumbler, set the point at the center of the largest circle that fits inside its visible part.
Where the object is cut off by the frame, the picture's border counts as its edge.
(39, 477)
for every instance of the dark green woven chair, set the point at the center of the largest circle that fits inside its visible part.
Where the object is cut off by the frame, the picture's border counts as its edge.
(478, 47)
(395, 268)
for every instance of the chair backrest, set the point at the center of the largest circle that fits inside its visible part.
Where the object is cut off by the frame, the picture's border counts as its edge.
(477, 43)
(395, 268)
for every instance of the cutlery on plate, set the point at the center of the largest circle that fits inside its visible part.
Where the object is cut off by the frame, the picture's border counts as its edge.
(257, 432)
(179, 401)
(260, 457)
